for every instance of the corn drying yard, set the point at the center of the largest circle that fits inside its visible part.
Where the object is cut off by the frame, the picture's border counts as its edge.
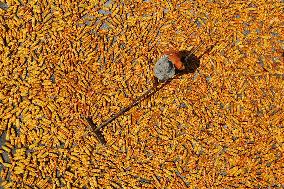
(219, 127)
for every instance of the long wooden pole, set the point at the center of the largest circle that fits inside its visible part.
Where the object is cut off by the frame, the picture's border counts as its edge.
(96, 129)
(125, 109)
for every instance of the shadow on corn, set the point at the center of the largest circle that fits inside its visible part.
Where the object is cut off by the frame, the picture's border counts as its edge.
(191, 62)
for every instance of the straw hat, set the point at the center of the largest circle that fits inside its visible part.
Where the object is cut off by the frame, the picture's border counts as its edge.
(164, 69)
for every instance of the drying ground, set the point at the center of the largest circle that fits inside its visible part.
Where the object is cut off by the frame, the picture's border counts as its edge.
(219, 127)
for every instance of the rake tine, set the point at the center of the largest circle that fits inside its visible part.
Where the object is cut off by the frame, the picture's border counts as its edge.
(99, 135)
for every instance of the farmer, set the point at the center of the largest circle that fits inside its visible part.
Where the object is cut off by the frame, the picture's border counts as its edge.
(167, 64)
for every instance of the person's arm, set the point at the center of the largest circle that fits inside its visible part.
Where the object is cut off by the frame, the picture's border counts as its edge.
(175, 58)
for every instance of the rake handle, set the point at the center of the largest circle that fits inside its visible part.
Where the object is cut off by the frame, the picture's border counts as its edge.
(125, 109)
